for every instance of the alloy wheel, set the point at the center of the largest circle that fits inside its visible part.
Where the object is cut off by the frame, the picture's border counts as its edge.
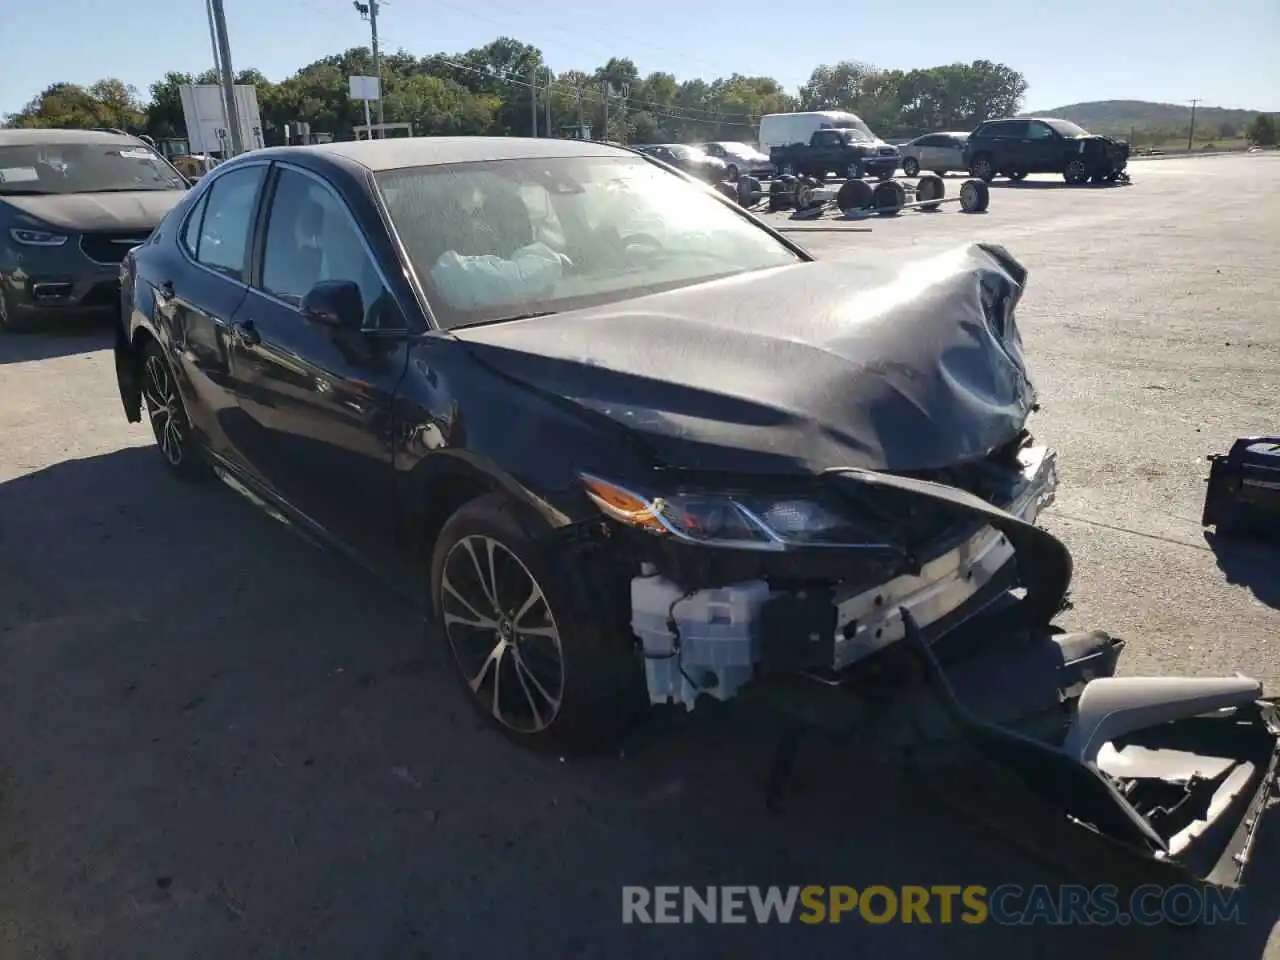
(164, 407)
(1075, 172)
(983, 169)
(502, 633)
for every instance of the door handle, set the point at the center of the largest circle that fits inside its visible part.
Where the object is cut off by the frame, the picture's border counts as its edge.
(246, 332)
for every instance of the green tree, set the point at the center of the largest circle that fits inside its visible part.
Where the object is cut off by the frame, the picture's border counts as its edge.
(1262, 131)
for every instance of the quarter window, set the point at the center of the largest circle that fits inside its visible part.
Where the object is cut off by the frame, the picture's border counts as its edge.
(227, 219)
(191, 235)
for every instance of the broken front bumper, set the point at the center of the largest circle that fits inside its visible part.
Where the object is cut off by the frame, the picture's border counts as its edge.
(715, 640)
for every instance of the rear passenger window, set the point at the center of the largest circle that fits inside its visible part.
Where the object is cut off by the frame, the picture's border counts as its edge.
(224, 229)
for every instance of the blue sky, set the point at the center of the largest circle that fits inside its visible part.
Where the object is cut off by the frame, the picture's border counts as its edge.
(1226, 54)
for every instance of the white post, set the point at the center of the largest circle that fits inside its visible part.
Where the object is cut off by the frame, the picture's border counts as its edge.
(367, 122)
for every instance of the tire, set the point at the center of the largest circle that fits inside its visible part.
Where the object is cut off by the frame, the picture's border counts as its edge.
(983, 167)
(854, 197)
(889, 198)
(576, 685)
(928, 189)
(911, 167)
(939, 173)
(1076, 171)
(1016, 175)
(731, 173)
(164, 408)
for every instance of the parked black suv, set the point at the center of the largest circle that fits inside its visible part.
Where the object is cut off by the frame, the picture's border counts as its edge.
(1016, 147)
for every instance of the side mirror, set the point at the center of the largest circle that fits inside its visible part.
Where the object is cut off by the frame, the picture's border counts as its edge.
(335, 303)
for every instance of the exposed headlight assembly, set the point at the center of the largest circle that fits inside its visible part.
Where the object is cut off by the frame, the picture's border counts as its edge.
(36, 238)
(741, 521)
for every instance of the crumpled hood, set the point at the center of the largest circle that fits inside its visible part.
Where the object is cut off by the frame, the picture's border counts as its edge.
(135, 210)
(879, 364)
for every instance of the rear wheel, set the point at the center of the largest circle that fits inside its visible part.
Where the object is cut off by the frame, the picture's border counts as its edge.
(911, 167)
(983, 167)
(168, 416)
(529, 629)
(1017, 175)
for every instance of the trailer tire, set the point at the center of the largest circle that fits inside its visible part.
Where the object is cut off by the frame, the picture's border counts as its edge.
(889, 197)
(930, 188)
(975, 196)
(854, 197)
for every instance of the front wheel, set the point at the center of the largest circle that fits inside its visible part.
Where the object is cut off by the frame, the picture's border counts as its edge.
(731, 173)
(1016, 175)
(911, 167)
(1076, 172)
(529, 631)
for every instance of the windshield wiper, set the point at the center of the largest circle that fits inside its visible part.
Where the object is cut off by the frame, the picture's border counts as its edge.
(517, 316)
(20, 192)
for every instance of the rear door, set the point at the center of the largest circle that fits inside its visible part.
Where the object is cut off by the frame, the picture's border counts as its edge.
(198, 295)
(315, 400)
(1007, 138)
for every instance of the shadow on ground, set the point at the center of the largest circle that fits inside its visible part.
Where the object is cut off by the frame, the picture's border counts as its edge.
(1254, 564)
(63, 340)
(1055, 185)
(220, 742)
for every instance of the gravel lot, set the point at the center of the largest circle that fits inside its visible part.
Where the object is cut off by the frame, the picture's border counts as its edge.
(219, 742)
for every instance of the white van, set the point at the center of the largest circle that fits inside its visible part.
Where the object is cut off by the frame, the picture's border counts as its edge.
(782, 129)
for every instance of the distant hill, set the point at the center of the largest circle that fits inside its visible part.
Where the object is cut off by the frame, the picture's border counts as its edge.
(1120, 117)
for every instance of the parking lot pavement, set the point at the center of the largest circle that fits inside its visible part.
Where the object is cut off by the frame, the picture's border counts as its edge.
(219, 742)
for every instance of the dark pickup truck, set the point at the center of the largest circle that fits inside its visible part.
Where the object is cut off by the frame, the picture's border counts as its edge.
(844, 152)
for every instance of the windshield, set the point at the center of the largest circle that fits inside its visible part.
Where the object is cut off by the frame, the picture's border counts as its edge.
(1067, 128)
(84, 168)
(495, 240)
(739, 149)
(686, 152)
(858, 131)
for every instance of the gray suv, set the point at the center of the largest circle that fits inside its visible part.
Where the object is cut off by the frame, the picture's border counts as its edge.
(72, 204)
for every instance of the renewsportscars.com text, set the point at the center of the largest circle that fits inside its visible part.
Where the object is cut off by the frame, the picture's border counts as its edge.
(1008, 905)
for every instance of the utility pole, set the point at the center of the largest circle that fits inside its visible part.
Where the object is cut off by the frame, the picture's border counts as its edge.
(533, 100)
(369, 11)
(227, 77)
(551, 78)
(1191, 131)
(582, 120)
(604, 133)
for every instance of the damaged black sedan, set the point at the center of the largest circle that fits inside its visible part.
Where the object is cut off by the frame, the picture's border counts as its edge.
(631, 447)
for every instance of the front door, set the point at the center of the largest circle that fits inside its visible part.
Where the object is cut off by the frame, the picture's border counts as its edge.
(317, 400)
(1042, 146)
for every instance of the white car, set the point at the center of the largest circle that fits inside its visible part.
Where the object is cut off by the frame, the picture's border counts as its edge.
(936, 152)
